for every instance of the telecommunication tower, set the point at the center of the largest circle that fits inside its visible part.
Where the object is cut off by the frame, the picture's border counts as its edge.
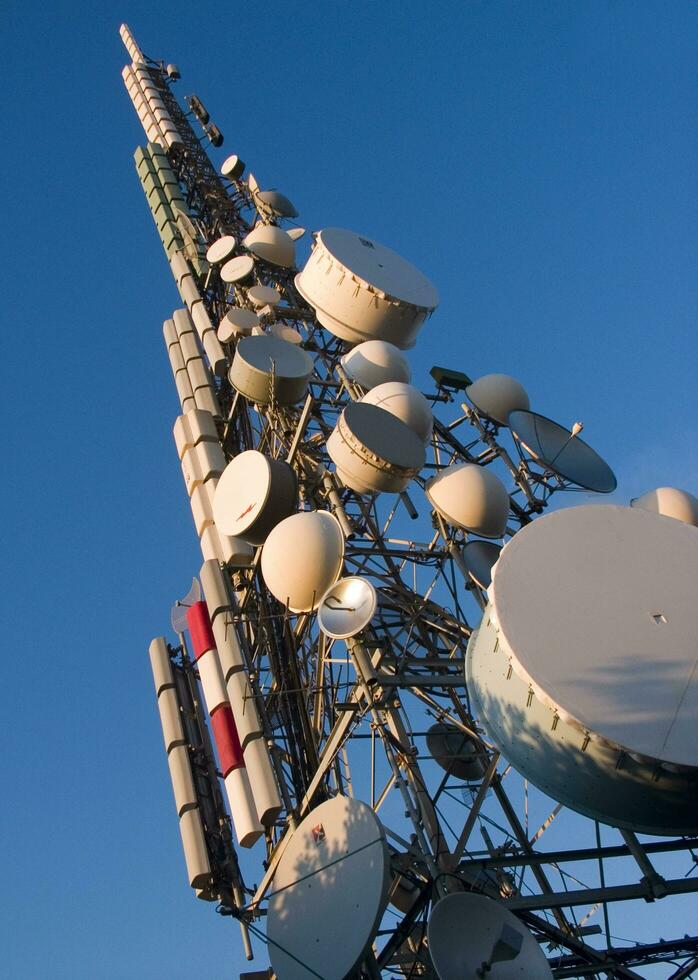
(397, 676)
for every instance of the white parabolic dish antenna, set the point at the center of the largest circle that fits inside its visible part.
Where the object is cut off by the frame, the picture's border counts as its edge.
(329, 892)
(555, 447)
(479, 558)
(583, 670)
(347, 607)
(302, 557)
(362, 290)
(464, 930)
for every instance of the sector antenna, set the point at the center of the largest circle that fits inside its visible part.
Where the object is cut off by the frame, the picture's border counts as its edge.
(416, 725)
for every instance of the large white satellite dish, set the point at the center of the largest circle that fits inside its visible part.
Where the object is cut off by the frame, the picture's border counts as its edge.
(361, 290)
(374, 362)
(329, 892)
(470, 936)
(253, 494)
(556, 448)
(374, 451)
(347, 607)
(302, 557)
(471, 497)
(268, 369)
(583, 669)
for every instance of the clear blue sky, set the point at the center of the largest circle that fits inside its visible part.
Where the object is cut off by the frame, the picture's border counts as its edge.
(536, 159)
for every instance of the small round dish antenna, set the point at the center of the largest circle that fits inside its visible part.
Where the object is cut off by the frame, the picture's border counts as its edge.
(374, 451)
(479, 558)
(456, 752)
(562, 451)
(329, 892)
(237, 322)
(233, 168)
(496, 395)
(253, 495)
(471, 497)
(263, 296)
(362, 290)
(238, 270)
(374, 362)
(267, 369)
(296, 233)
(404, 402)
(302, 558)
(347, 607)
(470, 937)
(221, 249)
(670, 502)
(271, 244)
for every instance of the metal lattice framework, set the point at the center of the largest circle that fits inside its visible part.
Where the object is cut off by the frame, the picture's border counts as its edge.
(351, 718)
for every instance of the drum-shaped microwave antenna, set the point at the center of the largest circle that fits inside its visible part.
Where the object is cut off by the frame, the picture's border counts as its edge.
(347, 607)
(302, 557)
(456, 752)
(374, 362)
(285, 331)
(471, 497)
(233, 167)
(496, 395)
(361, 290)
(237, 322)
(253, 494)
(471, 936)
(582, 671)
(479, 558)
(406, 403)
(670, 502)
(271, 244)
(263, 296)
(556, 448)
(221, 249)
(374, 451)
(267, 369)
(329, 892)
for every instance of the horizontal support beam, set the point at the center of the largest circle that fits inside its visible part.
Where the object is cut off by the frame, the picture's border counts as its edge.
(580, 854)
(590, 896)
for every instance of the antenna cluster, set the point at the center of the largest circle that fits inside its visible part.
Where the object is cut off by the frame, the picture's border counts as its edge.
(392, 655)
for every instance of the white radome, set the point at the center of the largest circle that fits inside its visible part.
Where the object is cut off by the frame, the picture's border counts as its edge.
(495, 395)
(302, 557)
(374, 362)
(406, 403)
(670, 502)
(271, 244)
(237, 322)
(471, 497)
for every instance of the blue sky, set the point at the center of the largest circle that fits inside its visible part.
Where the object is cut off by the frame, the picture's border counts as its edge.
(536, 160)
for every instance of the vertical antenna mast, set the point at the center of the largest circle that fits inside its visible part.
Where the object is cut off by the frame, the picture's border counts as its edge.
(348, 539)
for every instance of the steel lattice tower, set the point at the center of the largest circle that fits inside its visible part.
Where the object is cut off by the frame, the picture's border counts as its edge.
(331, 718)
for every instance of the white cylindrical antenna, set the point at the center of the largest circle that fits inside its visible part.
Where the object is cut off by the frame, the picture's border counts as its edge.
(130, 44)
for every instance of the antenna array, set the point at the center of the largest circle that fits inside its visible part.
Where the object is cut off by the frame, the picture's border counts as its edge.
(329, 645)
